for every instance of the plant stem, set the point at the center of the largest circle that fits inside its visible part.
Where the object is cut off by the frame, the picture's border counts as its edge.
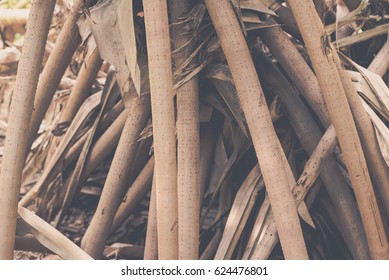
(188, 146)
(20, 113)
(380, 63)
(271, 158)
(135, 194)
(115, 185)
(151, 243)
(377, 165)
(85, 79)
(104, 145)
(323, 57)
(59, 59)
(297, 68)
(309, 135)
(161, 88)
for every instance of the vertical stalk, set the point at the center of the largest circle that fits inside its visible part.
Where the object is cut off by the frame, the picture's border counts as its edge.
(151, 243)
(59, 59)
(188, 146)
(323, 56)
(271, 158)
(161, 88)
(19, 119)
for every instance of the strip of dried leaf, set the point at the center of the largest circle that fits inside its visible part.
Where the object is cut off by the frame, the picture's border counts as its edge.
(52, 238)
(86, 109)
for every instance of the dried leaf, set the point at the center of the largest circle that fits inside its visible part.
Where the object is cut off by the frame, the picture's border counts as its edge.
(376, 85)
(125, 21)
(76, 175)
(257, 6)
(49, 236)
(85, 111)
(382, 132)
(249, 16)
(105, 29)
(220, 76)
(240, 211)
(362, 36)
(123, 251)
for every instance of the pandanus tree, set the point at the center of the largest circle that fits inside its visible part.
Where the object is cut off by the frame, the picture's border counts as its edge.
(207, 129)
